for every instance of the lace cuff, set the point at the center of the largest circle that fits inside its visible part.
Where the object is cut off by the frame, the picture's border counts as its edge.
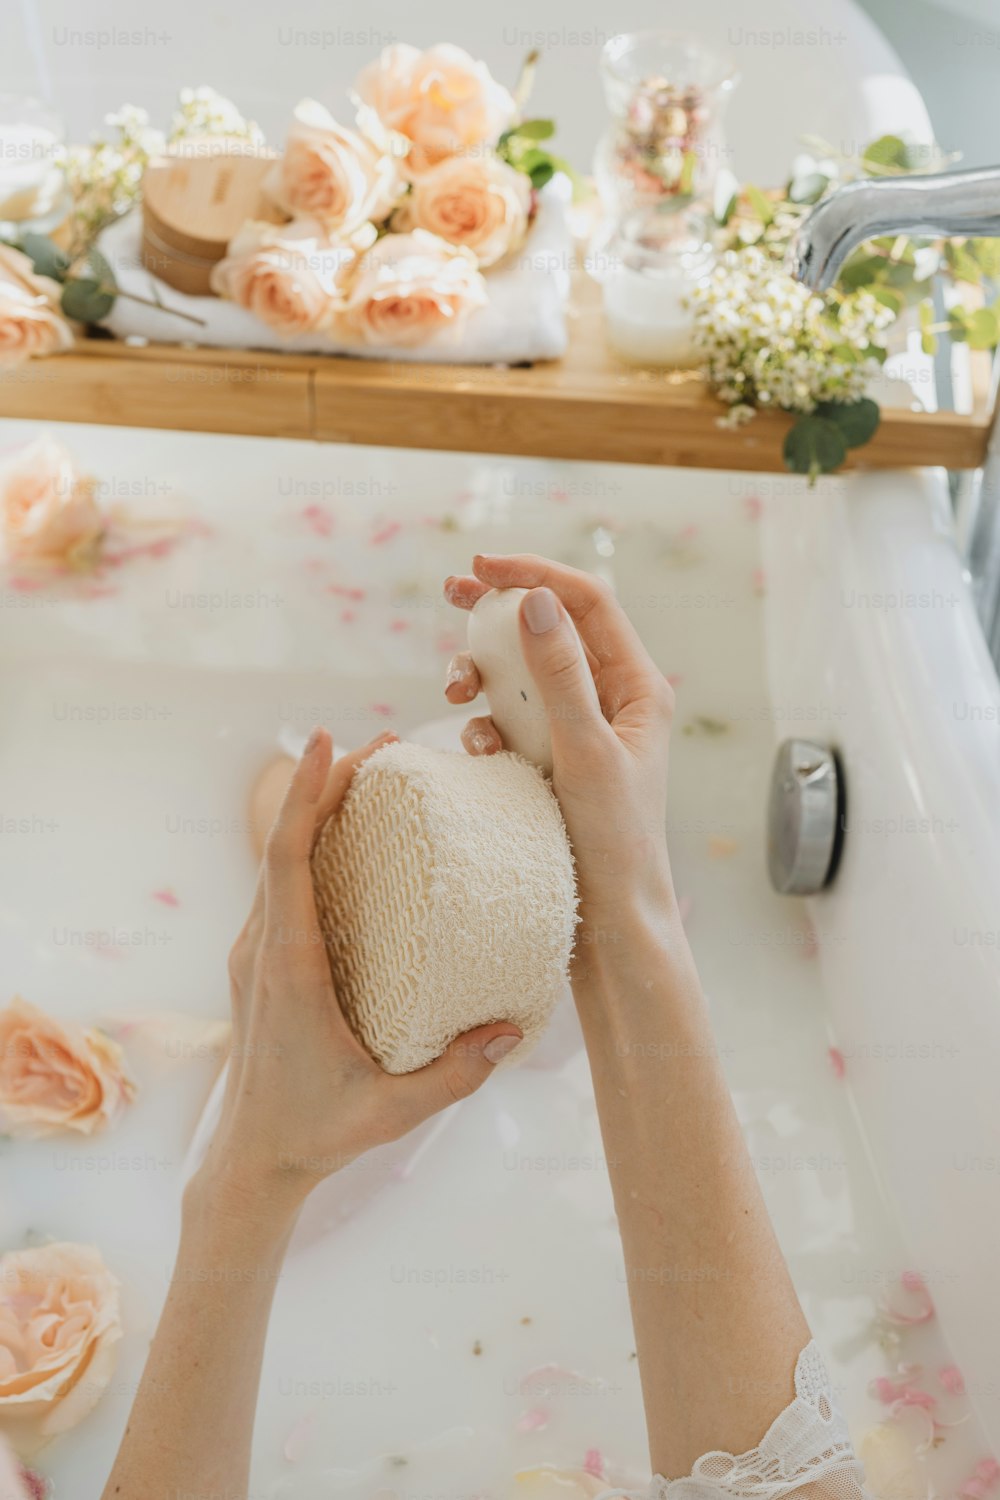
(806, 1449)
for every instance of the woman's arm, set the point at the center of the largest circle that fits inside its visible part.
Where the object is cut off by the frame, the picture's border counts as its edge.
(717, 1322)
(303, 1098)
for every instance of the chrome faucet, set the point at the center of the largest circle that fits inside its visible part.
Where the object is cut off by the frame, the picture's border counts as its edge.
(949, 204)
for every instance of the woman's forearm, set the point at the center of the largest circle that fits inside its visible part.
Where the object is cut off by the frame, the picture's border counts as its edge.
(191, 1426)
(717, 1322)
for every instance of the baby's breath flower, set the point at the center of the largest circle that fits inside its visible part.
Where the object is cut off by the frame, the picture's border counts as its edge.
(768, 341)
(202, 112)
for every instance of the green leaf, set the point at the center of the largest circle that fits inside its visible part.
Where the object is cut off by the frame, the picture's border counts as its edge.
(814, 446)
(724, 211)
(987, 255)
(889, 297)
(887, 151)
(759, 204)
(863, 270)
(928, 340)
(100, 267)
(689, 165)
(808, 189)
(534, 130)
(46, 256)
(86, 301)
(963, 264)
(857, 421)
(541, 173)
(982, 329)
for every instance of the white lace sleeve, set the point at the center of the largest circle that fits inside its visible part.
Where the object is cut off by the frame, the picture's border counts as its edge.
(806, 1451)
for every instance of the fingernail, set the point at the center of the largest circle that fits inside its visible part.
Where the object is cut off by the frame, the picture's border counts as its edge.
(311, 742)
(479, 742)
(541, 611)
(456, 673)
(500, 1047)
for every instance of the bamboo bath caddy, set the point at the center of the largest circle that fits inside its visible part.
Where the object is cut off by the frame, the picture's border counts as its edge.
(586, 406)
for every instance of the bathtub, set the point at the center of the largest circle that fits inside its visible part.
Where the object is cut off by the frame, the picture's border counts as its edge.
(460, 1312)
(871, 617)
(464, 1315)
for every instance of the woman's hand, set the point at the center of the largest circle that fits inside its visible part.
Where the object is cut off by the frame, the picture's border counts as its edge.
(610, 767)
(303, 1097)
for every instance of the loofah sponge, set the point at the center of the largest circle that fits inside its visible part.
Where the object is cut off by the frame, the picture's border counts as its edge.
(446, 896)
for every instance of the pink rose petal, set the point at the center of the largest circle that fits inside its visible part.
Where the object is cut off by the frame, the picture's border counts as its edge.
(318, 519)
(385, 533)
(535, 1420)
(754, 507)
(837, 1062)
(593, 1463)
(166, 897)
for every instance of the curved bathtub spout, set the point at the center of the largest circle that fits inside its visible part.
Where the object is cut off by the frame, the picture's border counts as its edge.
(956, 204)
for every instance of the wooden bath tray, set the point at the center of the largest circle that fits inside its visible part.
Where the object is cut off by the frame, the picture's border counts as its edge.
(586, 406)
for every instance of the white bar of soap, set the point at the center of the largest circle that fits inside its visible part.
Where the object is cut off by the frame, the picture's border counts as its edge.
(516, 706)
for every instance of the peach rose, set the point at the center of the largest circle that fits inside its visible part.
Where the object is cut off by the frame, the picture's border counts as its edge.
(442, 100)
(479, 202)
(55, 1077)
(288, 275)
(30, 320)
(409, 287)
(48, 509)
(59, 1324)
(335, 176)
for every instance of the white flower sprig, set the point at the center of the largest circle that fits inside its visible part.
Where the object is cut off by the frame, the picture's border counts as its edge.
(768, 341)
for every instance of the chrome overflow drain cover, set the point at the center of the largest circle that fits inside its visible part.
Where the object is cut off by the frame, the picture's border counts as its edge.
(804, 818)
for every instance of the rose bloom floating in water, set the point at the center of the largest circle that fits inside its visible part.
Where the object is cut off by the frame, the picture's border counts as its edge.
(57, 1077)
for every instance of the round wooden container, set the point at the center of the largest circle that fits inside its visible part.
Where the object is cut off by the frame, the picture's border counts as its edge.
(194, 203)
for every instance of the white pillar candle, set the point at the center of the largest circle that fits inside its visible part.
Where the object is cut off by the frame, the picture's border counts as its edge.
(645, 318)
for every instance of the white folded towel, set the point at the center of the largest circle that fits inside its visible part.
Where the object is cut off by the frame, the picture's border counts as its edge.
(524, 320)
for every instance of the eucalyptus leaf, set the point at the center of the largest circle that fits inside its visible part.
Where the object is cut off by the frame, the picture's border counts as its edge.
(887, 151)
(100, 267)
(889, 297)
(963, 264)
(814, 446)
(987, 255)
(85, 300)
(46, 256)
(808, 189)
(958, 324)
(857, 421)
(983, 329)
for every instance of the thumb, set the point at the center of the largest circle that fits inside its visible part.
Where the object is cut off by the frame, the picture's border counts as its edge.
(459, 1071)
(556, 661)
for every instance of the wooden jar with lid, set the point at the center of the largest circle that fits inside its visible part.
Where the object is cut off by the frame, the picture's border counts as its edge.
(194, 202)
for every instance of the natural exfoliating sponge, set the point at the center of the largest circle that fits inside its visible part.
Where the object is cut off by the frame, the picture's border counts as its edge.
(446, 896)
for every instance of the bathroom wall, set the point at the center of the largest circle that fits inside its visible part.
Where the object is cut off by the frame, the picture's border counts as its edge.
(798, 58)
(951, 49)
